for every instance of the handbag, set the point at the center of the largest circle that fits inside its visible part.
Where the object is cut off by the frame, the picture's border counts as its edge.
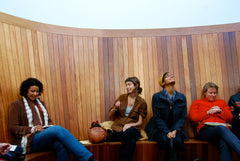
(96, 133)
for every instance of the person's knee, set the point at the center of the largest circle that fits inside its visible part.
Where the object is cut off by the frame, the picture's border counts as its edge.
(179, 139)
(162, 138)
(221, 129)
(131, 133)
(58, 129)
(58, 147)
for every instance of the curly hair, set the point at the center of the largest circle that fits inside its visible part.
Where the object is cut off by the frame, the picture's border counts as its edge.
(28, 83)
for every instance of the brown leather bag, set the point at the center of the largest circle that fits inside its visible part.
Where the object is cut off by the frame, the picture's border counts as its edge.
(97, 134)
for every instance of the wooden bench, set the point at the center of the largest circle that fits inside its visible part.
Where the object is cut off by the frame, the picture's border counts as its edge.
(144, 151)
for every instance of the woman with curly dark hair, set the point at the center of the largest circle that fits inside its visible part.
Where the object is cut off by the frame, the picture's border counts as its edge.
(32, 128)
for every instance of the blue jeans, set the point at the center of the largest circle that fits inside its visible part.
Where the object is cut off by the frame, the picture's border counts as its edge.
(61, 141)
(224, 137)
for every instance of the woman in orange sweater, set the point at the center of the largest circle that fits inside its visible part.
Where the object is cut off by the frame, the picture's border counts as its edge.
(212, 117)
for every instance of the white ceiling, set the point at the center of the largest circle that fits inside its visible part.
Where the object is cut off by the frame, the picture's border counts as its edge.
(125, 14)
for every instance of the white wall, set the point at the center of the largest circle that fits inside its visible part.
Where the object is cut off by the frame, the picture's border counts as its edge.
(125, 14)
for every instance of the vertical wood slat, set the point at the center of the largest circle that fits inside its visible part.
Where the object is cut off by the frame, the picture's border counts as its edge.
(146, 76)
(25, 52)
(125, 59)
(207, 69)
(130, 56)
(83, 75)
(116, 76)
(81, 88)
(175, 63)
(186, 71)
(159, 56)
(237, 36)
(224, 64)
(155, 66)
(96, 82)
(9, 63)
(3, 92)
(71, 83)
(56, 86)
(152, 68)
(191, 67)
(235, 62)
(180, 65)
(49, 98)
(103, 109)
(228, 56)
(196, 66)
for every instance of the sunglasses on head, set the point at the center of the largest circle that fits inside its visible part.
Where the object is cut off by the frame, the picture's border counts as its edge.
(169, 75)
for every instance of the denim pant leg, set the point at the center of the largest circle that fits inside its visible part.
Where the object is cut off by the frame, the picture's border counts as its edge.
(57, 147)
(224, 136)
(226, 151)
(166, 144)
(52, 134)
(178, 142)
(163, 140)
(129, 139)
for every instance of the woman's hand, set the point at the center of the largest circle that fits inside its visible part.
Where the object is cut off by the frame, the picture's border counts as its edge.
(172, 134)
(126, 126)
(117, 104)
(114, 109)
(214, 109)
(38, 128)
(4, 148)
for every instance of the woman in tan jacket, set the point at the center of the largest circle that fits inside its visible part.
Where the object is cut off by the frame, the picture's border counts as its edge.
(128, 112)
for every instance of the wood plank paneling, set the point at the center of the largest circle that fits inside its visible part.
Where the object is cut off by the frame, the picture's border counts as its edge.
(175, 63)
(83, 73)
(196, 67)
(180, 65)
(223, 65)
(79, 86)
(232, 41)
(237, 36)
(103, 109)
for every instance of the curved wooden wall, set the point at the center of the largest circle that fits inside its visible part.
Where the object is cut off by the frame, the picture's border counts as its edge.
(83, 70)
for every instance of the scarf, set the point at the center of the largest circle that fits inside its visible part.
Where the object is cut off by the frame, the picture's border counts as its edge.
(30, 119)
(169, 98)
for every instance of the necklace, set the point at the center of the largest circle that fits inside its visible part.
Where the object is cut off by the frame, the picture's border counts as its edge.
(131, 101)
